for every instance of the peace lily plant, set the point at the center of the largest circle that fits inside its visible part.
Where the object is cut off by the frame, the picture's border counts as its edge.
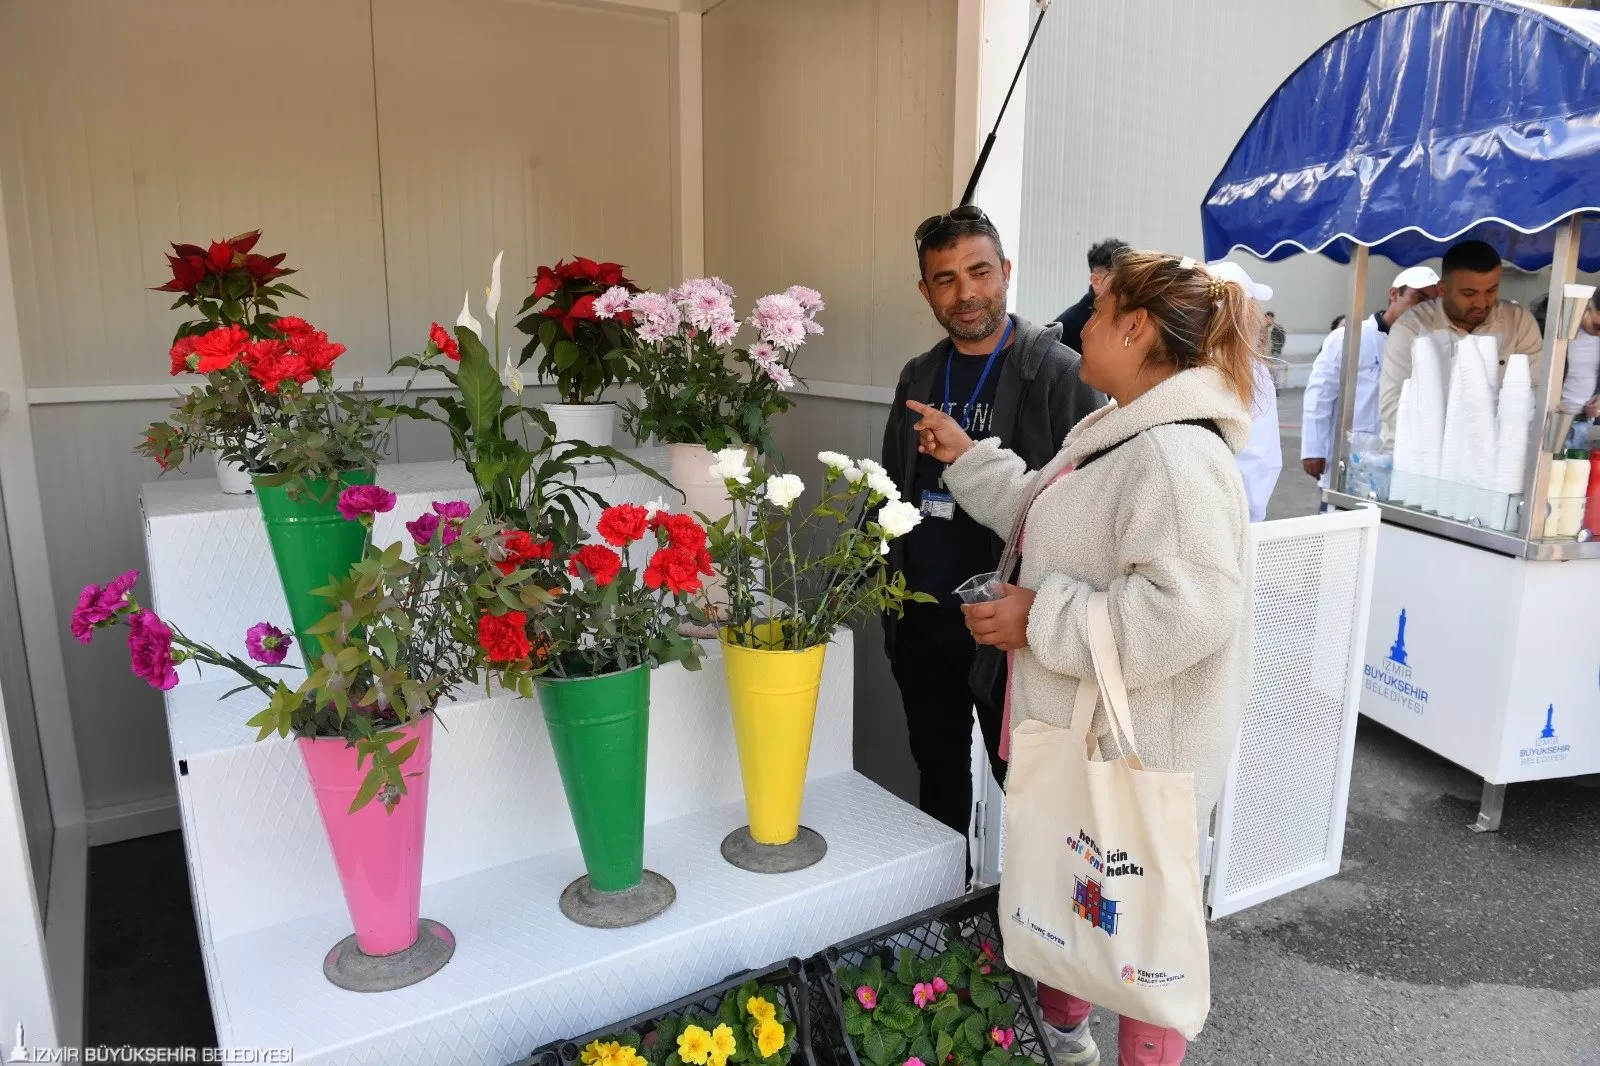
(792, 580)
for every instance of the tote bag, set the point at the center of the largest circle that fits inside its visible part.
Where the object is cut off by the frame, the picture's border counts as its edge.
(1101, 886)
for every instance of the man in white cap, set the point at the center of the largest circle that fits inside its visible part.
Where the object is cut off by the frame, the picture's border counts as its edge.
(1411, 286)
(1262, 458)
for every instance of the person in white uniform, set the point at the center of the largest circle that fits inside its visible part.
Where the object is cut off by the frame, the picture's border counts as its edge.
(1411, 286)
(1580, 388)
(1261, 461)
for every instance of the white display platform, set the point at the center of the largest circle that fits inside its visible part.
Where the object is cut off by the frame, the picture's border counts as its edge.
(501, 843)
(1498, 669)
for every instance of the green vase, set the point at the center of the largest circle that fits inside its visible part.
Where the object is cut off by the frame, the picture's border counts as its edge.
(600, 730)
(313, 545)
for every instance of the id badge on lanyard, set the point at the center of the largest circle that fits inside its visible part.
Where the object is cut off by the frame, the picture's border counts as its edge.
(941, 504)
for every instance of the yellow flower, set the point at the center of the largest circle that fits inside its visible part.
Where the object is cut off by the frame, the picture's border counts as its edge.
(694, 1045)
(770, 1038)
(760, 1009)
(598, 1051)
(620, 1056)
(723, 1045)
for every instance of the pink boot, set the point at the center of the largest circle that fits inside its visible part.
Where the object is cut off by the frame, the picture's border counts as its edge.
(1142, 1044)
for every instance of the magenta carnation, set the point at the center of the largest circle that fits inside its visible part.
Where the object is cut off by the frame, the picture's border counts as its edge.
(266, 643)
(150, 644)
(98, 605)
(422, 528)
(359, 500)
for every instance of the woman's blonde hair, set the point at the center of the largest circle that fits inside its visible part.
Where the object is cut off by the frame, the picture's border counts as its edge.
(1201, 319)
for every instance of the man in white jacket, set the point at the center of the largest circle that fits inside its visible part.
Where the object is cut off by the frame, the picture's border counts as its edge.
(1261, 461)
(1411, 286)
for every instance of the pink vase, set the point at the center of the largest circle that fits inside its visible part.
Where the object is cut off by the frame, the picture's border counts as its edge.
(379, 854)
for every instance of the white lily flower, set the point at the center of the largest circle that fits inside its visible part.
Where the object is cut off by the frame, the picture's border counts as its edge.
(465, 317)
(784, 489)
(898, 519)
(511, 375)
(492, 303)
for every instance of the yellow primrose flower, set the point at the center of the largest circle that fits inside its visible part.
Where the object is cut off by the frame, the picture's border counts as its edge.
(723, 1045)
(770, 1038)
(694, 1045)
(760, 1009)
(597, 1051)
(620, 1056)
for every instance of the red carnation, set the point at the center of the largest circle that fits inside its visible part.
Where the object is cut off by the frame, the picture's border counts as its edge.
(682, 531)
(504, 636)
(317, 351)
(521, 548)
(545, 283)
(219, 348)
(674, 568)
(271, 363)
(220, 257)
(623, 524)
(180, 355)
(599, 561)
(444, 342)
(291, 326)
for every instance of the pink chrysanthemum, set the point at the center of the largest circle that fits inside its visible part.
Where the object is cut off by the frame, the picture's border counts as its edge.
(612, 302)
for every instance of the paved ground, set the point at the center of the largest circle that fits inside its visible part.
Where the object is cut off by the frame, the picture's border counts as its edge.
(1434, 946)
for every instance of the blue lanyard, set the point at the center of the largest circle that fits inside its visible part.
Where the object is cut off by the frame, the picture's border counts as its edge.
(950, 362)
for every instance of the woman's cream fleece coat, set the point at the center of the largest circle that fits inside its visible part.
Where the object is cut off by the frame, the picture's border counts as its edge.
(1160, 525)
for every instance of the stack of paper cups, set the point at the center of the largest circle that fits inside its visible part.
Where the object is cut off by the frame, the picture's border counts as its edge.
(1478, 445)
(1428, 401)
(1453, 444)
(1400, 481)
(1513, 429)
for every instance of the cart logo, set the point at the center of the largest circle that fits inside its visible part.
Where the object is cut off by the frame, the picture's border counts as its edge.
(1391, 679)
(1548, 747)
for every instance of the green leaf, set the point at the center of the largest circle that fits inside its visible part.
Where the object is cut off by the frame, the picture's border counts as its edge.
(874, 1047)
(479, 385)
(897, 1014)
(566, 355)
(974, 1031)
(922, 1048)
(1002, 1015)
(943, 1048)
(369, 789)
(983, 994)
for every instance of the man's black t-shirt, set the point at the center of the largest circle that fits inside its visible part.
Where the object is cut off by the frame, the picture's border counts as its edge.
(941, 553)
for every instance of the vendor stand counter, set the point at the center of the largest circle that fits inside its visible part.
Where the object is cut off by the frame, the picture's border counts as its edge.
(1481, 645)
(500, 842)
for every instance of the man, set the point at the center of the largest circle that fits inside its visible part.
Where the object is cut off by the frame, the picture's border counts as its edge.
(1261, 461)
(1002, 377)
(1074, 318)
(1411, 287)
(1468, 303)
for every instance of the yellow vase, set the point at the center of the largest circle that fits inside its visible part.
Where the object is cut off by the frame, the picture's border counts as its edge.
(774, 697)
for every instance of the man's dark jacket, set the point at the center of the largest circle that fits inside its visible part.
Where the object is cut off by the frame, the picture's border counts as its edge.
(1037, 400)
(1073, 319)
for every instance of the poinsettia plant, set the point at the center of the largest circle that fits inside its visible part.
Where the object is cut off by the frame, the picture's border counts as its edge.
(400, 638)
(525, 485)
(583, 354)
(697, 388)
(956, 1008)
(791, 583)
(751, 1025)
(268, 400)
(596, 613)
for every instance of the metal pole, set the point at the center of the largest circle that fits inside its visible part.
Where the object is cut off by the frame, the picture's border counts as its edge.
(1547, 394)
(1344, 413)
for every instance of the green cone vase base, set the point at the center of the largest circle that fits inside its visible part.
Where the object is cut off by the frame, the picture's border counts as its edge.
(354, 970)
(581, 902)
(741, 850)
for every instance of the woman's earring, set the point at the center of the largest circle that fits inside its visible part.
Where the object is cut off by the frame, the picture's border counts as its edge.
(1126, 341)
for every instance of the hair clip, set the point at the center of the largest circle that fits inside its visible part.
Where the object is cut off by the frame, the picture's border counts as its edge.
(1187, 263)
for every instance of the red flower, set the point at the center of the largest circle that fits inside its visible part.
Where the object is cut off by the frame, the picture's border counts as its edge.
(582, 307)
(623, 524)
(582, 310)
(682, 531)
(599, 561)
(245, 241)
(504, 636)
(317, 351)
(521, 548)
(220, 257)
(263, 268)
(444, 342)
(271, 363)
(187, 273)
(291, 326)
(186, 251)
(579, 268)
(219, 348)
(674, 568)
(611, 274)
(180, 355)
(545, 283)
(702, 562)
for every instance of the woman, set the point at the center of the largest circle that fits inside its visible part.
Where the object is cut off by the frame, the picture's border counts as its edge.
(1144, 502)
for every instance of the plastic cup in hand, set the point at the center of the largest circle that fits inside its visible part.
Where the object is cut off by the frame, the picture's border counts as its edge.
(980, 588)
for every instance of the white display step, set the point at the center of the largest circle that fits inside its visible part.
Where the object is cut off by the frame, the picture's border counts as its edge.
(523, 975)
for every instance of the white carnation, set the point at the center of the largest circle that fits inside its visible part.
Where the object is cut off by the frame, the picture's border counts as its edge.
(784, 489)
(881, 483)
(898, 519)
(853, 474)
(834, 460)
(731, 465)
(872, 466)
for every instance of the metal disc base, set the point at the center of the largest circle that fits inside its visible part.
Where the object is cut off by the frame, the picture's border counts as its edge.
(581, 902)
(353, 969)
(741, 850)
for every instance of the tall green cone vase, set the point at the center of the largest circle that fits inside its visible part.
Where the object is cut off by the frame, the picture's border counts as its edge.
(313, 545)
(600, 731)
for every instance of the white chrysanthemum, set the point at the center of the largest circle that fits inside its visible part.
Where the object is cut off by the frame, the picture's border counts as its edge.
(898, 519)
(784, 489)
(731, 465)
(834, 460)
(882, 484)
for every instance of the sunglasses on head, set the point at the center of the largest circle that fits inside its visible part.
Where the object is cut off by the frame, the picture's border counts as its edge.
(964, 213)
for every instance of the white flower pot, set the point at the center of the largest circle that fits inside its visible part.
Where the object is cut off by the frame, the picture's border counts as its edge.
(233, 478)
(591, 423)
